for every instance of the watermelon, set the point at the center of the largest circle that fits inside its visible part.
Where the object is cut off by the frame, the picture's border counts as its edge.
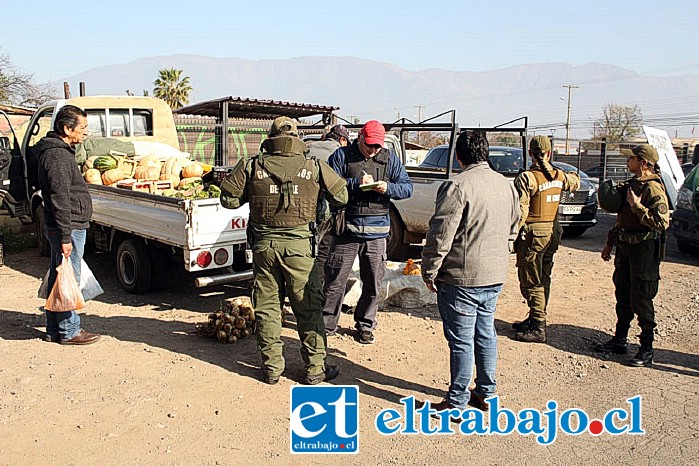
(104, 163)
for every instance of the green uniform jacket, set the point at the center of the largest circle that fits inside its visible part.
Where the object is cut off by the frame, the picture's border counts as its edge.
(234, 193)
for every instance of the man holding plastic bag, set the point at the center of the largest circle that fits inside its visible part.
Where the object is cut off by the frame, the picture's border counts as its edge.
(68, 209)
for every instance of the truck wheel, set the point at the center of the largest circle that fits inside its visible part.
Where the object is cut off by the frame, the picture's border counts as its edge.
(134, 266)
(395, 249)
(40, 237)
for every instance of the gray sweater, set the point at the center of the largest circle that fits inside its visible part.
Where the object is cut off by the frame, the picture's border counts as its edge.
(476, 213)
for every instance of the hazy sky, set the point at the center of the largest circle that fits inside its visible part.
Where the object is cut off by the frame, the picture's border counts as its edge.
(57, 39)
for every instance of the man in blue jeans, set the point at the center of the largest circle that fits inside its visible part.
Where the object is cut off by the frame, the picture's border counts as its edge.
(465, 261)
(67, 213)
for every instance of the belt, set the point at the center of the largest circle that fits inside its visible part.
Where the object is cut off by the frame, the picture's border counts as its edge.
(636, 237)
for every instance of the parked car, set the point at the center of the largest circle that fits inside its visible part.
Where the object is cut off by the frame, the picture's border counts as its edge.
(614, 172)
(687, 167)
(577, 211)
(685, 218)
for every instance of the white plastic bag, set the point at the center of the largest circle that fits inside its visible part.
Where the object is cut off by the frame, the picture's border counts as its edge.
(89, 286)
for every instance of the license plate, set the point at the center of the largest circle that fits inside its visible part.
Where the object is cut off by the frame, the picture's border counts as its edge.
(570, 209)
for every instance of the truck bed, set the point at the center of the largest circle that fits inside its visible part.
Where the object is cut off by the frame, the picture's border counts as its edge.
(187, 224)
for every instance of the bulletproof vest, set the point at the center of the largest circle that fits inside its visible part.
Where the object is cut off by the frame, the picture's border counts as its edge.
(367, 203)
(283, 190)
(543, 204)
(627, 220)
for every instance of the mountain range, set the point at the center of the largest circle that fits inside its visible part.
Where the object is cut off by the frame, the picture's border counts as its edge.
(374, 90)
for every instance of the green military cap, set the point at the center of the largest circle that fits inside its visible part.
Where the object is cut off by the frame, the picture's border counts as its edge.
(540, 144)
(283, 126)
(644, 151)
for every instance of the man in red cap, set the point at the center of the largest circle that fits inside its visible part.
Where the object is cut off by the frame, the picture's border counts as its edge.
(374, 177)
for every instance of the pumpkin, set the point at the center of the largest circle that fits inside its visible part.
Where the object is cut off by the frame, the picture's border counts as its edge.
(104, 163)
(147, 173)
(93, 176)
(170, 177)
(173, 166)
(149, 161)
(193, 170)
(110, 177)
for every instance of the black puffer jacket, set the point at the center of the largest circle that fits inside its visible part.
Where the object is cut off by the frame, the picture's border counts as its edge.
(67, 202)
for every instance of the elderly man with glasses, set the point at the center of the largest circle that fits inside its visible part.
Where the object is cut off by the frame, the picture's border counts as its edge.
(374, 176)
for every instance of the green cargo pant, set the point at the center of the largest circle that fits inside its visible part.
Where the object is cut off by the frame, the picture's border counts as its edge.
(286, 268)
(636, 276)
(535, 264)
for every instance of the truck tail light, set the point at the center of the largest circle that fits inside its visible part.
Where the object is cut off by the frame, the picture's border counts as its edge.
(221, 256)
(204, 259)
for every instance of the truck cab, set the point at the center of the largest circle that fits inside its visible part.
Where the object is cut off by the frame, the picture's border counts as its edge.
(121, 117)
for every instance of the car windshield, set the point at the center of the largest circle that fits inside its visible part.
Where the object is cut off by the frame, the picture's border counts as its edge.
(505, 160)
(566, 167)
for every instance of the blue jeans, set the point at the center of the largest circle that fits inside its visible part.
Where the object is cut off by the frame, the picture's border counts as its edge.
(468, 318)
(65, 325)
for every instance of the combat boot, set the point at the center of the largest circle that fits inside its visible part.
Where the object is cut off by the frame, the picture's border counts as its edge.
(616, 345)
(536, 333)
(523, 325)
(644, 357)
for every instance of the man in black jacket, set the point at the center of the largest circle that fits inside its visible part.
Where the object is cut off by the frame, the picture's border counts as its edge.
(68, 209)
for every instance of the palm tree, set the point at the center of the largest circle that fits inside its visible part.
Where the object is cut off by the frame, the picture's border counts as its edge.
(171, 88)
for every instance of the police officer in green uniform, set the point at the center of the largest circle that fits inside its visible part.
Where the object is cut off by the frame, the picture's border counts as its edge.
(283, 184)
(540, 234)
(639, 237)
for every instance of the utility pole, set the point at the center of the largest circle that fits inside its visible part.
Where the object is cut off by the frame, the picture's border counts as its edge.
(570, 89)
(419, 112)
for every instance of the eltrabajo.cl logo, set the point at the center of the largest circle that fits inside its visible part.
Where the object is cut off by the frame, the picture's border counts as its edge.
(324, 419)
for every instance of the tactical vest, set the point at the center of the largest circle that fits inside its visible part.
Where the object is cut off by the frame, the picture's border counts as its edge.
(543, 204)
(283, 190)
(627, 220)
(367, 203)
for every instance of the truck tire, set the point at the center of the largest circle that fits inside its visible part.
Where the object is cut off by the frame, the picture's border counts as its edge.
(134, 268)
(40, 236)
(395, 249)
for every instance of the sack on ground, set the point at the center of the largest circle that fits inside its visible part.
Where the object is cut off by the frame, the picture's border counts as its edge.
(65, 295)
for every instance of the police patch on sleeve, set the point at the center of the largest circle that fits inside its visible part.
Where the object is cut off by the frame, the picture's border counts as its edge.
(662, 208)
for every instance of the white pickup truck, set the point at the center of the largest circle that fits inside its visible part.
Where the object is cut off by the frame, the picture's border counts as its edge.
(145, 230)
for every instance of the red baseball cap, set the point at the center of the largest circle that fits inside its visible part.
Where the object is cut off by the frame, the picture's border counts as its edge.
(373, 132)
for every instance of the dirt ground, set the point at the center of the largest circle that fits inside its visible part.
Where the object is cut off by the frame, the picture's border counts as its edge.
(151, 392)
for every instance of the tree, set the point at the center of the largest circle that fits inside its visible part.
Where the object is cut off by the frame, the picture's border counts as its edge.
(618, 123)
(171, 88)
(17, 87)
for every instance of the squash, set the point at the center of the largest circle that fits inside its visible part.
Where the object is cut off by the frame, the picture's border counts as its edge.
(104, 163)
(93, 176)
(150, 161)
(173, 166)
(147, 173)
(193, 170)
(170, 177)
(110, 177)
